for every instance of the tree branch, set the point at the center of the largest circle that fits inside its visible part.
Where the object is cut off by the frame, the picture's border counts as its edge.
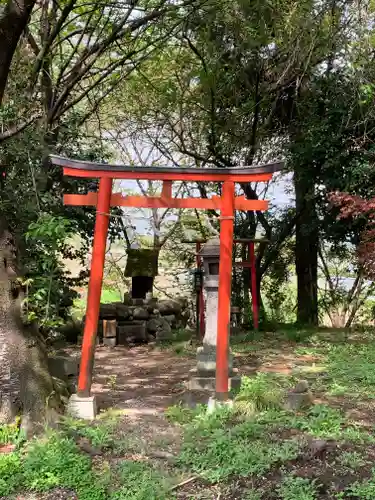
(16, 129)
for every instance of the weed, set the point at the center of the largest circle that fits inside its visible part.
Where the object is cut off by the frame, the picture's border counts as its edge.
(112, 381)
(10, 473)
(217, 453)
(352, 460)
(364, 490)
(253, 495)
(297, 488)
(352, 369)
(101, 433)
(182, 414)
(259, 393)
(139, 482)
(9, 433)
(322, 421)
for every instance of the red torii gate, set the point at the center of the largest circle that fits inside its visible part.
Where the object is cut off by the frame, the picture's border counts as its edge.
(104, 199)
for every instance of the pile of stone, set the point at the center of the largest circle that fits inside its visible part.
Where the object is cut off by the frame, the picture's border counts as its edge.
(141, 320)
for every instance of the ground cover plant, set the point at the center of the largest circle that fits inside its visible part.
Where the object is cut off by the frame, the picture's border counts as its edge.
(254, 449)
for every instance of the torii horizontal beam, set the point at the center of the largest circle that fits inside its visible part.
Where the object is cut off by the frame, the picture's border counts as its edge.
(163, 201)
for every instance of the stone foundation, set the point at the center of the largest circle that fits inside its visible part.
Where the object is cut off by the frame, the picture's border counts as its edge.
(143, 320)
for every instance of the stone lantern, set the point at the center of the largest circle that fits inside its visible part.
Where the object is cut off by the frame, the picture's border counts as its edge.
(204, 376)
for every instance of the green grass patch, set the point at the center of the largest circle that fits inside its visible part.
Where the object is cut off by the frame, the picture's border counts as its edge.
(140, 481)
(297, 488)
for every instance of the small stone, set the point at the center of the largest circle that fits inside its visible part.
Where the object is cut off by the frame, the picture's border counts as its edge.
(171, 320)
(160, 327)
(296, 401)
(122, 311)
(168, 307)
(302, 386)
(140, 313)
(318, 448)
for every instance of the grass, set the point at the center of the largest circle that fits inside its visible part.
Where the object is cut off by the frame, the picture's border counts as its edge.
(54, 460)
(254, 450)
(297, 488)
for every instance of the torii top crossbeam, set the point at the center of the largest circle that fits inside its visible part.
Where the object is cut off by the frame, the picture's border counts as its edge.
(227, 203)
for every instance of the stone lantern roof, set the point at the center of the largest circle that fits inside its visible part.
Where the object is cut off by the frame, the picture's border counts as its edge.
(211, 248)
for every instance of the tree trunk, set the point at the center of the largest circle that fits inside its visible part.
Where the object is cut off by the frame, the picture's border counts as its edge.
(26, 387)
(14, 17)
(306, 254)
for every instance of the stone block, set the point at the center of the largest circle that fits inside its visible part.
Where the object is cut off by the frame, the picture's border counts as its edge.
(168, 307)
(110, 341)
(140, 313)
(123, 311)
(198, 383)
(171, 320)
(160, 328)
(63, 366)
(206, 359)
(131, 330)
(84, 408)
(107, 311)
(137, 302)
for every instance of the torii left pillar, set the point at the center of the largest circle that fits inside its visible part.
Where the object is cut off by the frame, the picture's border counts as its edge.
(83, 404)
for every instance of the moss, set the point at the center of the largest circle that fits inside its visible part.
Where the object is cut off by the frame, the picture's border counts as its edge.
(142, 262)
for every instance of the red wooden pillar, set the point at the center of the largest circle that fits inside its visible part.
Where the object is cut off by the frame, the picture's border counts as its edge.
(200, 295)
(225, 288)
(95, 286)
(254, 292)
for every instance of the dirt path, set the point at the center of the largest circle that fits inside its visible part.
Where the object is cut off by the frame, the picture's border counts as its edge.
(142, 379)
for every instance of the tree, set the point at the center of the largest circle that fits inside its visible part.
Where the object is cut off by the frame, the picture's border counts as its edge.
(58, 73)
(227, 92)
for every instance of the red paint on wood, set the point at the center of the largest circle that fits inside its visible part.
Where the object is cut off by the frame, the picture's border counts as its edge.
(118, 200)
(225, 288)
(167, 190)
(253, 278)
(95, 286)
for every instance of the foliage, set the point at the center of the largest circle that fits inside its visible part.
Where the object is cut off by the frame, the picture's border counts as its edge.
(262, 392)
(140, 481)
(48, 279)
(10, 433)
(10, 473)
(364, 489)
(297, 488)
(356, 208)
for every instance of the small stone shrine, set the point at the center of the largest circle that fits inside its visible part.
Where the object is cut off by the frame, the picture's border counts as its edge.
(203, 377)
(141, 267)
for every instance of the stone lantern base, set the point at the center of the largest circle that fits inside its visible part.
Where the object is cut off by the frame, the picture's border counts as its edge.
(203, 377)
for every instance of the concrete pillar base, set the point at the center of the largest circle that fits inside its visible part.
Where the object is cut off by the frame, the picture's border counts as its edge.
(84, 408)
(110, 341)
(213, 404)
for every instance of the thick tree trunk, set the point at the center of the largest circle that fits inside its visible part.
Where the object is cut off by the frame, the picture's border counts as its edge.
(26, 387)
(14, 16)
(307, 240)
